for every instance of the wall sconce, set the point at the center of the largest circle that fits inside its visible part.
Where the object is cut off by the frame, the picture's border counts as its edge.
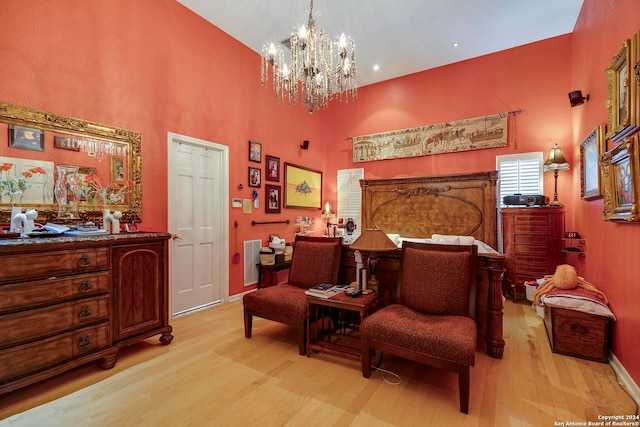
(555, 162)
(576, 98)
(304, 145)
(328, 214)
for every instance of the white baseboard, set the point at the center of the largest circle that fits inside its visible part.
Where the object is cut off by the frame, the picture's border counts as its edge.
(625, 379)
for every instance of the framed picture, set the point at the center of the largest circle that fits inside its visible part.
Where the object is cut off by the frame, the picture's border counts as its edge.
(590, 151)
(117, 170)
(273, 168)
(255, 151)
(254, 177)
(620, 172)
(302, 187)
(618, 101)
(65, 143)
(272, 195)
(26, 138)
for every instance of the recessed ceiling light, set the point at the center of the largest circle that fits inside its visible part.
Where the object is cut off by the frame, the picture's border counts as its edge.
(376, 67)
(456, 44)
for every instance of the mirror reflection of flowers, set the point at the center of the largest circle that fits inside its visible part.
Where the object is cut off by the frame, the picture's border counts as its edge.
(106, 195)
(15, 186)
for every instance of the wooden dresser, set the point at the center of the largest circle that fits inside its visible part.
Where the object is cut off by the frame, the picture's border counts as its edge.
(66, 301)
(532, 242)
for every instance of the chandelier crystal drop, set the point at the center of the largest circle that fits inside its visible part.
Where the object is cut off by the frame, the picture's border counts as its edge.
(310, 73)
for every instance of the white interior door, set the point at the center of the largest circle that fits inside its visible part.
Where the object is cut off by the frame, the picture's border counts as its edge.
(198, 219)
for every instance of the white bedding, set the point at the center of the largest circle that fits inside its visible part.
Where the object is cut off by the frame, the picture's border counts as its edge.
(441, 239)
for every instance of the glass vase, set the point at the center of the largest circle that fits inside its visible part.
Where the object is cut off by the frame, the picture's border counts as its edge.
(67, 191)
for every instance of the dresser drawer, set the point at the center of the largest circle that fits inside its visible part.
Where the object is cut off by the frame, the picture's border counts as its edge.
(49, 264)
(21, 360)
(17, 296)
(531, 239)
(29, 325)
(540, 250)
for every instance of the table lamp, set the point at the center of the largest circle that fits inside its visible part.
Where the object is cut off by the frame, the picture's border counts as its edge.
(555, 162)
(328, 214)
(373, 241)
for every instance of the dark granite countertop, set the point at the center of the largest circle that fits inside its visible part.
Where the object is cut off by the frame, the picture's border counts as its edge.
(115, 238)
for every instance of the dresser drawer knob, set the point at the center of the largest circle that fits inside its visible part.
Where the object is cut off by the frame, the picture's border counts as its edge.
(84, 342)
(577, 328)
(85, 286)
(85, 312)
(85, 261)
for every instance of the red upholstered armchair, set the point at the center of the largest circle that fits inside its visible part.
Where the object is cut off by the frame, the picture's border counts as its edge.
(433, 321)
(315, 260)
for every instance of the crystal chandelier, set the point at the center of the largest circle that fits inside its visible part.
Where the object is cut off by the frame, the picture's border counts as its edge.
(310, 70)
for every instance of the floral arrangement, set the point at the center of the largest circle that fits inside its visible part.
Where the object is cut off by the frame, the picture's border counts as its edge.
(15, 186)
(98, 194)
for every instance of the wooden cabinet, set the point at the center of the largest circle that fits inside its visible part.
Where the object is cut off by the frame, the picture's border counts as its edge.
(532, 241)
(140, 299)
(60, 308)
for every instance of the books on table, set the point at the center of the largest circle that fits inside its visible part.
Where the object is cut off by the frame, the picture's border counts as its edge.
(324, 290)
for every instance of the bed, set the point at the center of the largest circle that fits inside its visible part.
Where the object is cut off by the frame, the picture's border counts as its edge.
(450, 206)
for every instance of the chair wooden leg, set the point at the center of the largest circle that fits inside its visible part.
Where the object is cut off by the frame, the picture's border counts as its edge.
(463, 386)
(365, 357)
(248, 323)
(302, 338)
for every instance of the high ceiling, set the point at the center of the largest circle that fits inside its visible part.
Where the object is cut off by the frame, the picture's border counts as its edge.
(401, 36)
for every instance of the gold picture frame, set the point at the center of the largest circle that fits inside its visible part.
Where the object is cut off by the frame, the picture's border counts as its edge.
(619, 93)
(590, 151)
(619, 167)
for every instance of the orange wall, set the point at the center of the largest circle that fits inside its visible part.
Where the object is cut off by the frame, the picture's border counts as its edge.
(535, 78)
(155, 67)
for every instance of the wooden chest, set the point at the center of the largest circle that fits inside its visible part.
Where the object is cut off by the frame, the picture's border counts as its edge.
(578, 334)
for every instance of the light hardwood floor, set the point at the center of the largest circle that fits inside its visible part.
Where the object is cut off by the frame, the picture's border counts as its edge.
(210, 375)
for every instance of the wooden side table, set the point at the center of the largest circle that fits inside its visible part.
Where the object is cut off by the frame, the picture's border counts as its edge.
(272, 269)
(336, 330)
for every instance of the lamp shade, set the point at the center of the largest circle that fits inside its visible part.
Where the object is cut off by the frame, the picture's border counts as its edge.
(556, 160)
(373, 240)
(327, 212)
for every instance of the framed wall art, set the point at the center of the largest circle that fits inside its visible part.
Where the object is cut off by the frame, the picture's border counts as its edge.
(620, 175)
(619, 97)
(255, 178)
(117, 170)
(302, 187)
(590, 151)
(273, 168)
(273, 196)
(255, 151)
(26, 138)
(65, 143)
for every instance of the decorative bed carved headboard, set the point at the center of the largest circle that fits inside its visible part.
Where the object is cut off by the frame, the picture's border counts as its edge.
(460, 205)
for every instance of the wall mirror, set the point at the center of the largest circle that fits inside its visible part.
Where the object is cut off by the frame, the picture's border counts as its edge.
(105, 155)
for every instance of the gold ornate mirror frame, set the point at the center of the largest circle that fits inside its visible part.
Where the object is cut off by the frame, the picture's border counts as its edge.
(132, 208)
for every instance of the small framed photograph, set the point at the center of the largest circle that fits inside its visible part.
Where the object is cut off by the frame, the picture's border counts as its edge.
(117, 170)
(272, 195)
(65, 143)
(255, 151)
(255, 180)
(590, 151)
(273, 168)
(26, 138)
(236, 203)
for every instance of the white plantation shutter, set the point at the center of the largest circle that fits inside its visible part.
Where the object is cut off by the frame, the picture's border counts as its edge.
(350, 197)
(519, 174)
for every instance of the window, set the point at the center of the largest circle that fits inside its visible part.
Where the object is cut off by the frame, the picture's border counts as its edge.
(519, 174)
(350, 198)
